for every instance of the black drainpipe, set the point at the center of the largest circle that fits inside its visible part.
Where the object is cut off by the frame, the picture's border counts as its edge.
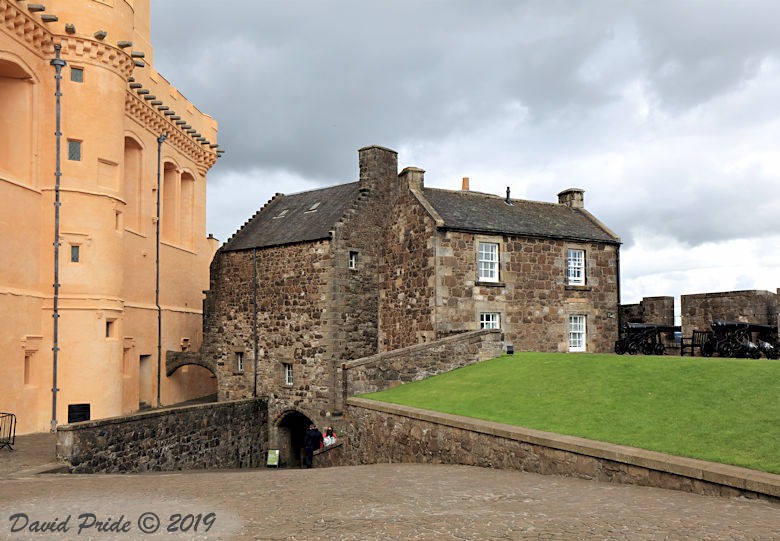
(58, 64)
(160, 140)
(254, 308)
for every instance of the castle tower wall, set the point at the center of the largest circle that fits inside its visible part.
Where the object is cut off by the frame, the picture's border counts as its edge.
(108, 318)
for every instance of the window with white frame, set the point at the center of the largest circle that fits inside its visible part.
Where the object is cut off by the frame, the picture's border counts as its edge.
(490, 320)
(576, 267)
(576, 333)
(487, 262)
(239, 361)
(353, 256)
(288, 374)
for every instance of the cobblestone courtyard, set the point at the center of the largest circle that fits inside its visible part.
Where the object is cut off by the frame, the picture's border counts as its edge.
(385, 501)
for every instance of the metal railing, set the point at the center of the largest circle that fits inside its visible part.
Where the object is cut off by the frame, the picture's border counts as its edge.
(7, 430)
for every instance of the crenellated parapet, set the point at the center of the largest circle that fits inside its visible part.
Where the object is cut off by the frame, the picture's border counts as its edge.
(155, 119)
(27, 27)
(96, 52)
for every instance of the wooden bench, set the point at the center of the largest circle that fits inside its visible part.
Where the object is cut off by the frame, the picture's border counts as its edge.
(7, 430)
(694, 342)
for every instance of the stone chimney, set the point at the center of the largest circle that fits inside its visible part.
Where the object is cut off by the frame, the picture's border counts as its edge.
(413, 176)
(573, 197)
(465, 185)
(377, 165)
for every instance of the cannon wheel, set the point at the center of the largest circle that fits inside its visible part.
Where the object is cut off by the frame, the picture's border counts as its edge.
(633, 348)
(660, 349)
(648, 348)
(708, 348)
(771, 354)
(727, 349)
(755, 353)
(620, 347)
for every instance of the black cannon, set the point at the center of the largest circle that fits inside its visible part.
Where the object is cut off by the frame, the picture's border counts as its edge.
(767, 340)
(736, 339)
(644, 337)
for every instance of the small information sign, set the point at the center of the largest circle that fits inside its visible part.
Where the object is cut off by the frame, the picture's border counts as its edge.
(273, 458)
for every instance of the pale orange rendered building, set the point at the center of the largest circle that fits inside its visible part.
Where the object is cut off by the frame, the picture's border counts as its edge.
(114, 106)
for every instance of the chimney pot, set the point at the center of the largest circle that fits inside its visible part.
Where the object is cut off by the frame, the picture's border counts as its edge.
(465, 186)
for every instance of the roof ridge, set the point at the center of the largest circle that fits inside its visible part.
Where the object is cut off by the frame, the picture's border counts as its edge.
(322, 189)
(493, 195)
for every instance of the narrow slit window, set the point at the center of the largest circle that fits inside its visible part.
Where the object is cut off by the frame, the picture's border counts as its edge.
(239, 361)
(28, 368)
(288, 374)
(314, 207)
(75, 253)
(353, 256)
(77, 74)
(281, 214)
(110, 328)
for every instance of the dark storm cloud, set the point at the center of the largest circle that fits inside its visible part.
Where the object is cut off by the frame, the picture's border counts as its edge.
(294, 83)
(531, 88)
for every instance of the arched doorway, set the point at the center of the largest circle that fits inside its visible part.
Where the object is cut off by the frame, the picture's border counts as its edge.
(290, 434)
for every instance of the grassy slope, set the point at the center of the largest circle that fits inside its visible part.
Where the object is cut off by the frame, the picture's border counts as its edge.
(723, 410)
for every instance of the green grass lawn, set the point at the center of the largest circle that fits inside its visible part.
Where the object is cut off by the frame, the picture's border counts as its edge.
(723, 410)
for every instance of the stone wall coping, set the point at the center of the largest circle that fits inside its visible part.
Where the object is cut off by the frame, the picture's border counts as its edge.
(331, 447)
(739, 293)
(150, 414)
(724, 474)
(466, 336)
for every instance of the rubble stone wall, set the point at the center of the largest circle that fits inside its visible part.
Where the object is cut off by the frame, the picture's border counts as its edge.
(293, 292)
(379, 433)
(414, 363)
(222, 435)
(531, 296)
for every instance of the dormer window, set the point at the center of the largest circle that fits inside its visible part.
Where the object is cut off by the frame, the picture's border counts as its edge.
(281, 214)
(314, 207)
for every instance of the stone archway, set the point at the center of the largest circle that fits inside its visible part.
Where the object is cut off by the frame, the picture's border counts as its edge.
(176, 359)
(290, 431)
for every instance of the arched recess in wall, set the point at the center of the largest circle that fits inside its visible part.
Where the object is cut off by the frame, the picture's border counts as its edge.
(132, 184)
(290, 428)
(187, 209)
(16, 121)
(170, 202)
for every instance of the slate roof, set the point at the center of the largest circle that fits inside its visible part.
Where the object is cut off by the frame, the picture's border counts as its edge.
(478, 212)
(298, 224)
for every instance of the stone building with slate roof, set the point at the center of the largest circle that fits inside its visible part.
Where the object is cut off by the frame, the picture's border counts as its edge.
(317, 278)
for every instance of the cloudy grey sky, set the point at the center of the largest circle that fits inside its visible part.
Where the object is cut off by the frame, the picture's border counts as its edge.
(664, 111)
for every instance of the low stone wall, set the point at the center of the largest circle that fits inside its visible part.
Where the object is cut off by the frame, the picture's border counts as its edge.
(380, 432)
(222, 435)
(333, 455)
(414, 363)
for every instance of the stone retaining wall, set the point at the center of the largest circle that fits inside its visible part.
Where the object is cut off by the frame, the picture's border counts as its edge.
(414, 363)
(222, 435)
(380, 432)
